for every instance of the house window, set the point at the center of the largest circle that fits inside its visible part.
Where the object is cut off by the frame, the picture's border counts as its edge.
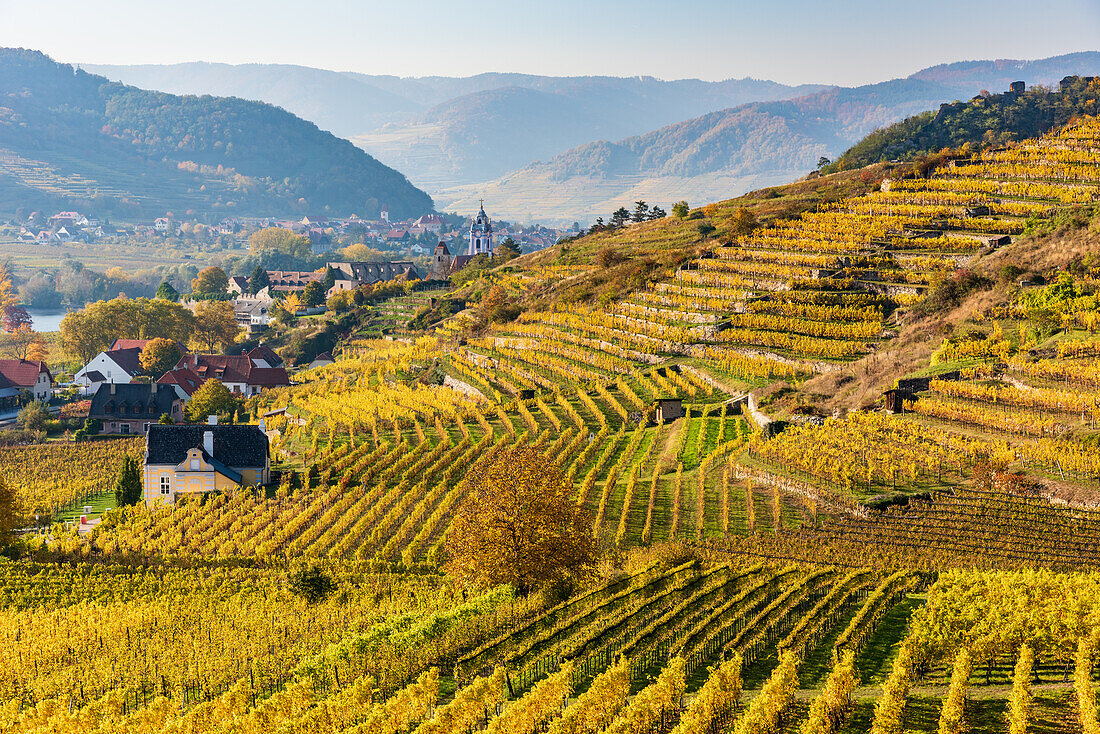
(194, 464)
(123, 427)
(165, 484)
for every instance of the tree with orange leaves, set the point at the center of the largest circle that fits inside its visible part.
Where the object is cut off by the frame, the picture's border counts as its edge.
(520, 524)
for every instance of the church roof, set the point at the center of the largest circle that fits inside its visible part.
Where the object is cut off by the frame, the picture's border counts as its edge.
(482, 223)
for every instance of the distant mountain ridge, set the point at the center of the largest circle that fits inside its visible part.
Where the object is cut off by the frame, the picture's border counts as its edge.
(444, 130)
(728, 152)
(558, 149)
(67, 136)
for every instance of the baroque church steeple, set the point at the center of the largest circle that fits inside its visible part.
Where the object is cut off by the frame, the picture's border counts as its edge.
(481, 234)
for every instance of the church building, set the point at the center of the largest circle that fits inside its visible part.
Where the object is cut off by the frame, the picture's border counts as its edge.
(481, 234)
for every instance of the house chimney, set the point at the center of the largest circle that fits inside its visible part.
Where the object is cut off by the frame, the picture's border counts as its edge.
(112, 388)
(208, 443)
(211, 420)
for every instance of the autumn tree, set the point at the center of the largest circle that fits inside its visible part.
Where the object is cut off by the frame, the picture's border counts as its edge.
(314, 294)
(8, 297)
(159, 356)
(292, 304)
(25, 343)
(16, 317)
(743, 222)
(277, 239)
(37, 349)
(211, 281)
(94, 328)
(520, 524)
(9, 511)
(212, 398)
(215, 324)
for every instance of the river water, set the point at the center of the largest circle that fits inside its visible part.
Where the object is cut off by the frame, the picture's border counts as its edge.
(45, 320)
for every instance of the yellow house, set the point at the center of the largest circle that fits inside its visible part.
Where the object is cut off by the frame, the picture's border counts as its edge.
(189, 460)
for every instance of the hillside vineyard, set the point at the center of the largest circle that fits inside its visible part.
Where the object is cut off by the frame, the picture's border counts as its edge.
(930, 563)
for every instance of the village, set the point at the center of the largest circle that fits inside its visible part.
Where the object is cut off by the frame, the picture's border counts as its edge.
(415, 238)
(119, 393)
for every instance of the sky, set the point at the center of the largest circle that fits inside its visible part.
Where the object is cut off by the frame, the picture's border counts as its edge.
(798, 41)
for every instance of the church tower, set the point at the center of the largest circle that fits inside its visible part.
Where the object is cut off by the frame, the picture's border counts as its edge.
(481, 234)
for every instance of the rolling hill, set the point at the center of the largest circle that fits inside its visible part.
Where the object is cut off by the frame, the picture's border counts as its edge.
(732, 151)
(68, 137)
(562, 148)
(444, 131)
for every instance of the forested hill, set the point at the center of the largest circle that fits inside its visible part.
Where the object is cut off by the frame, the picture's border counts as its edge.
(984, 120)
(67, 136)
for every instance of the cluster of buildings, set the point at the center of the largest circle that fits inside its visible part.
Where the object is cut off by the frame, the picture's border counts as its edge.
(413, 236)
(60, 228)
(126, 403)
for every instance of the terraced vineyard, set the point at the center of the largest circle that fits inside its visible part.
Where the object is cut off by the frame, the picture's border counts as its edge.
(927, 563)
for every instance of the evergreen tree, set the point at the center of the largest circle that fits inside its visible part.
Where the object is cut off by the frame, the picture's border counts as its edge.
(128, 489)
(258, 280)
(166, 292)
(330, 277)
(641, 211)
(657, 213)
(620, 217)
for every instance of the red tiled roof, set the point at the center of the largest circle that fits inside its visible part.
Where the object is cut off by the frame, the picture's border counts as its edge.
(224, 367)
(21, 372)
(129, 344)
(232, 368)
(185, 378)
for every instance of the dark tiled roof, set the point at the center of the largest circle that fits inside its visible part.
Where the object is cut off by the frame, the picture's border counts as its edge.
(127, 358)
(20, 372)
(266, 353)
(95, 376)
(137, 398)
(222, 469)
(234, 446)
(268, 376)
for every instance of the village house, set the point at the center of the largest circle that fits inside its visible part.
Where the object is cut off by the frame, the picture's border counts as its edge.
(239, 372)
(194, 460)
(252, 313)
(366, 273)
(132, 408)
(238, 284)
(291, 281)
(264, 356)
(118, 365)
(22, 380)
(323, 359)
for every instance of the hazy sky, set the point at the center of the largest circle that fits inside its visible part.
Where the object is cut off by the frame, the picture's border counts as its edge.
(832, 41)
